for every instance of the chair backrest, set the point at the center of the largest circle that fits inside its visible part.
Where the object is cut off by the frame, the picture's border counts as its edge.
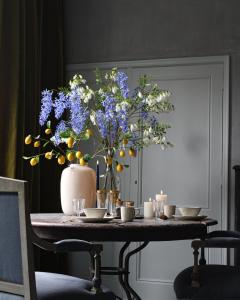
(17, 280)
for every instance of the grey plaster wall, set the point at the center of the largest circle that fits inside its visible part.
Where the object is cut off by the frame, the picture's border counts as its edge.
(112, 30)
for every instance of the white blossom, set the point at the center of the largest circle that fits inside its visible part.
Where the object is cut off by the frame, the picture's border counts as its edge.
(140, 95)
(93, 118)
(133, 127)
(114, 90)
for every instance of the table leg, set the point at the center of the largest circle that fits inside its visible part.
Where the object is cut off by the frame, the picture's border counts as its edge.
(124, 278)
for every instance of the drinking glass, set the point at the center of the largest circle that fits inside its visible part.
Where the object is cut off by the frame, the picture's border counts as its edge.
(78, 206)
(158, 208)
(102, 199)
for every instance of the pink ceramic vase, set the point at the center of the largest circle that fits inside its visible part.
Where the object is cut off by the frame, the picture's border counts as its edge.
(77, 182)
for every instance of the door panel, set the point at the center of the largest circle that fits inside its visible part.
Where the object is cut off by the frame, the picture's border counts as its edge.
(190, 172)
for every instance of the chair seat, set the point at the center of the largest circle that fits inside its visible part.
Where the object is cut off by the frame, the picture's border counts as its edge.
(216, 282)
(51, 286)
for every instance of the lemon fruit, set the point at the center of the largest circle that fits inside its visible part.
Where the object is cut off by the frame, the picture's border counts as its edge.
(119, 168)
(132, 152)
(28, 139)
(82, 162)
(70, 142)
(78, 154)
(125, 141)
(48, 131)
(108, 160)
(70, 156)
(48, 155)
(61, 160)
(33, 161)
(122, 153)
(89, 133)
(36, 144)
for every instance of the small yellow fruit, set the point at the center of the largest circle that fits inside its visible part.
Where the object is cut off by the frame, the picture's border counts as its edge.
(125, 141)
(61, 160)
(48, 131)
(119, 168)
(36, 144)
(82, 162)
(122, 153)
(70, 142)
(33, 161)
(28, 139)
(132, 152)
(48, 155)
(70, 156)
(89, 132)
(108, 160)
(78, 154)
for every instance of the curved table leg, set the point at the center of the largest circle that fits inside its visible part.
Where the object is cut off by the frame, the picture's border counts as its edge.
(121, 276)
(131, 294)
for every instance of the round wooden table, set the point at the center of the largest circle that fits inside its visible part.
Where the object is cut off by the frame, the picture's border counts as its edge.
(58, 227)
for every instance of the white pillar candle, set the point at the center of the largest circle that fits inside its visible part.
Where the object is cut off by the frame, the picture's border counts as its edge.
(161, 197)
(148, 210)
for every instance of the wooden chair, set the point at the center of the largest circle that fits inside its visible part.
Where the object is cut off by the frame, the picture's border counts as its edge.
(210, 281)
(17, 277)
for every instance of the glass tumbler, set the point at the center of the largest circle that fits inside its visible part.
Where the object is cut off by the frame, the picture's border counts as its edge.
(78, 206)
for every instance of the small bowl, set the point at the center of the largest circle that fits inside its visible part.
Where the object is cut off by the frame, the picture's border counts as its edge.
(98, 213)
(189, 211)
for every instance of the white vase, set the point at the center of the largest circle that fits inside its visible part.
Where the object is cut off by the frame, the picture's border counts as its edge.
(77, 182)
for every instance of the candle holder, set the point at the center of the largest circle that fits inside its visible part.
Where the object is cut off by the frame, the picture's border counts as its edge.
(113, 197)
(102, 199)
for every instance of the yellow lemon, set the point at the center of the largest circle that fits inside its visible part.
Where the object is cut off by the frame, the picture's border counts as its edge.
(28, 139)
(119, 168)
(78, 154)
(33, 161)
(122, 153)
(48, 131)
(82, 162)
(36, 144)
(132, 152)
(70, 156)
(61, 160)
(89, 132)
(108, 160)
(48, 155)
(125, 141)
(70, 142)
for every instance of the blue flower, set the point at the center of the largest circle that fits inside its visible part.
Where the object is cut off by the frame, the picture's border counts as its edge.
(110, 107)
(46, 106)
(121, 79)
(61, 127)
(153, 121)
(60, 104)
(102, 124)
(78, 115)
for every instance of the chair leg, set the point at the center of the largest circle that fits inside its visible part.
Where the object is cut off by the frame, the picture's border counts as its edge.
(195, 272)
(96, 280)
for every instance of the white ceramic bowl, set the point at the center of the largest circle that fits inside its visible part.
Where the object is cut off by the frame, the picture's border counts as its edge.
(189, 211)
(95, 212)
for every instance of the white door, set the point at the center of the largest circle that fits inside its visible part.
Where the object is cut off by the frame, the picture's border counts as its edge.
(193, 172)
(190, 172)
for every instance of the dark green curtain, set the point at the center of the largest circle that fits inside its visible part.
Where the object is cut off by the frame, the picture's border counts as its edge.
(31, 59)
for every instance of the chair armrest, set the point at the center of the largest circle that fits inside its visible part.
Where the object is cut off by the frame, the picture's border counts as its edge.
(217, 242)
(223, 233)
(68, 245)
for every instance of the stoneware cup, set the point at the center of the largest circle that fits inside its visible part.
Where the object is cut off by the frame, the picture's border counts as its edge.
(169, 210)
(127, 213)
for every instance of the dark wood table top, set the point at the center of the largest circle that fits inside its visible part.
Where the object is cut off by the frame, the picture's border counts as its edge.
(59, 226)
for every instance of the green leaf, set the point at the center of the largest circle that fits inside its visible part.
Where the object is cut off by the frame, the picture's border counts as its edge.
(126, 166)
(87, 157)
(44, 145)
(49, 124)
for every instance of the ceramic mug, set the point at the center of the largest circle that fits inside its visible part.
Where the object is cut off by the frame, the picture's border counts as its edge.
(127, 213)
(169, 210)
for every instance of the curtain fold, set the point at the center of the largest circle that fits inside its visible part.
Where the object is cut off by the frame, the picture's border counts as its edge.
(31, 59)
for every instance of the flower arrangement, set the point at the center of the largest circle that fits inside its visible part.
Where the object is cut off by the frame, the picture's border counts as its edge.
(118, 120)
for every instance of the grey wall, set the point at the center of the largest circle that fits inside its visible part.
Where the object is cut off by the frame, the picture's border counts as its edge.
(112, 30)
